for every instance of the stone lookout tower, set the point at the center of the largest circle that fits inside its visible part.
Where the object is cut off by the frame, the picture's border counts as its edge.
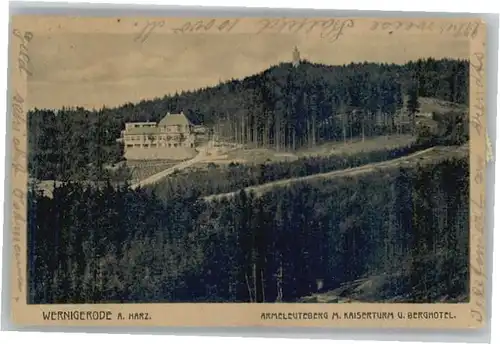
(296, 57)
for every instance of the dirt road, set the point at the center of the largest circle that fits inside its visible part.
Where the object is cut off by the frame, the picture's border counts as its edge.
(263, 188)
(203, 156)
(159, 176)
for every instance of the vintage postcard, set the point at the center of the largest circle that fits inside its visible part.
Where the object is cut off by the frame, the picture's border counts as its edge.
(244, 171)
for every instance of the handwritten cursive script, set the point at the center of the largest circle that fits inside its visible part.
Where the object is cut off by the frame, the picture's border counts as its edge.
(148, 29)
(23, 59)
(209, 25)
(18, 227)
(18, 118)
(478, 273)
(19, 158)
(476, 74)
(465, 30)
(19, 163)
(329, 29)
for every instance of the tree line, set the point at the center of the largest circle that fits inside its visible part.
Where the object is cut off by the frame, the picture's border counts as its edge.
(282, 107)
(93, 245)
(215, 179)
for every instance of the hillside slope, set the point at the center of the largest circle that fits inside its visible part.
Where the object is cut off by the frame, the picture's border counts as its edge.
(430, 155)
(282, 107)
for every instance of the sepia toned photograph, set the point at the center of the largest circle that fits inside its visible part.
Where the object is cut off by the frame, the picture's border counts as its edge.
(248, 160)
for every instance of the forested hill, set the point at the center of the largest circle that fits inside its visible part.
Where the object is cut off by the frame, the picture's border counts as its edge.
(282, 107)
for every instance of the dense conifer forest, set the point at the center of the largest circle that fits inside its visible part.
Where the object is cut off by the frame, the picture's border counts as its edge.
(118, 245)
(408, 225)
(282, 108)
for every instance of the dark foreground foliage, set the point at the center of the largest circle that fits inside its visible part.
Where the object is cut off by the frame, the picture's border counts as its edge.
(117, 245)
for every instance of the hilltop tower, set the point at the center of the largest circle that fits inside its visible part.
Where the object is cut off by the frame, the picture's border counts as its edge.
(296, 57)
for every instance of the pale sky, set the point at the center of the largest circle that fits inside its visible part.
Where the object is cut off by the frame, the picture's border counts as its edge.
(92, 70)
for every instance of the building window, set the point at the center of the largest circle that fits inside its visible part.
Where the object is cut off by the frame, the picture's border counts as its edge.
(175, 144)
(170, 145)
(192, 145)
(130, 146)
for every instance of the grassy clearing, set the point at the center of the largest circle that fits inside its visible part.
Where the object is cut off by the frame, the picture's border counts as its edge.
(439, 106)
(358, 145)
(263, 155)
(425, 157)
(142, 169)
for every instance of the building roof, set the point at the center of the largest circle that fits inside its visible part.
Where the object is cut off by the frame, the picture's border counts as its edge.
(174, 119)
(142, 123)
(141, 131)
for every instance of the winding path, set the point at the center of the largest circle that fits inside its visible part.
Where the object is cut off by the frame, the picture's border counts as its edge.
(263, 188)
(202, 156)
(160, 175)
